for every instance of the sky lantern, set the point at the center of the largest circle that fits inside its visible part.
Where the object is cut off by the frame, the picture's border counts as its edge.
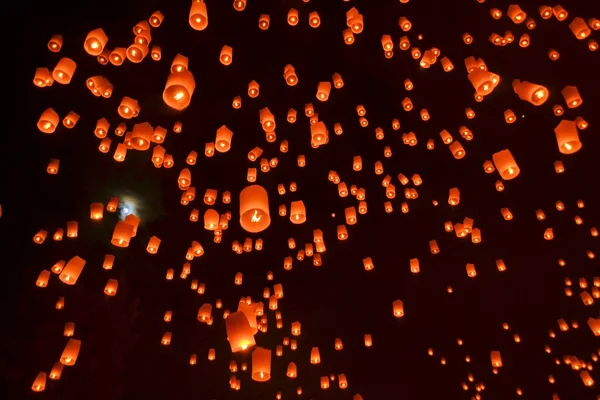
(226, 56)
(179, 89)
(506, 165)
(198, 17)
(530, 92)
(261, 364)
(496, 359)
(64, 70)
(223, 139)
(95, 42)
(292, 17)
(398, 308)
(239, 332)
(280, 166)
(52, 168)
(567, 137)
(254, 209)
(72, 270)
(571, 96)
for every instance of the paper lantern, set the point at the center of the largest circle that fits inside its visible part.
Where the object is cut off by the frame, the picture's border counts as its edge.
(567, 137)
(137, 52)
(261, 364)
(179, 89)
(198, 17)
(72, 270)
(55, 43)
(39, 384)
(70, 352)
(530, 92)
(64, 70)
(223, 139)
(95, 42)
(254, 209)
(292, 17)
(239, 332)
(226, 56)
(506, 165)
(571, 96)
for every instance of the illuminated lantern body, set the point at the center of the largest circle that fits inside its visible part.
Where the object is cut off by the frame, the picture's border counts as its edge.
(128, 108)
(254, 209)
(398, 308)
(156, 19)
(64, 70)
(137, 52)
(567, 137)
(516, 14)
(72, 270)
(323, 91)
(253, 89)
(141, 136)
(122, 234)
(70, 353)
(153, 245)
(111, 287)
(179, 89)
(292, 17)
(198, 18)
(48, 121)
(95, 42)
(70, 120)
(572, 97)
(496, 359)
(579, 28)
(239, 332)
(484, 82)
(39, 384)
(226, 56)
(52, 167)
(530, 92)
(43, 277)
(223, 139)
(506, 165)
(42, 77)
(453, 196)
(261, 364)
(117, 56)
(457, 150)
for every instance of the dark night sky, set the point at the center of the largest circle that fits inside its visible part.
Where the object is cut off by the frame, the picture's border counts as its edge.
(121, 356)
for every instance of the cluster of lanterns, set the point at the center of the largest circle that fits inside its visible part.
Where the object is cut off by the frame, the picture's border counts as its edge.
(244, 325)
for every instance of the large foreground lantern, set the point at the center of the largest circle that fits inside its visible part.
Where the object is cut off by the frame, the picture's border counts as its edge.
(261, 364)
(179, 89)
(254, 209)
(505, 164)
(239, 332)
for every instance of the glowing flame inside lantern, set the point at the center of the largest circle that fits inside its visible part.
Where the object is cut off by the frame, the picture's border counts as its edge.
(255, 216)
